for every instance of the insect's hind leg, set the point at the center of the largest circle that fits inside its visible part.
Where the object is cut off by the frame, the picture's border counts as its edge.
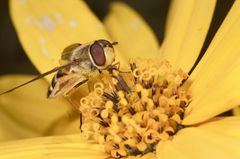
(80, 121)
(79, 111)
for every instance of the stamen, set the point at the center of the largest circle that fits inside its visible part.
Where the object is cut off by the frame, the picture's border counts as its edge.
(131, 113)
(122, 84)
(110, 97)
(104, 124)
(131, 110)
(133, 66)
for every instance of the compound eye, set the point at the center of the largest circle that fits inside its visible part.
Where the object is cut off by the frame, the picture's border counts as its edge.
(97, 53)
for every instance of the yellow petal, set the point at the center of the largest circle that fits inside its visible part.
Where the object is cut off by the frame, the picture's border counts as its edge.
(230, 20)
(46, 27)
(58, 147)
(27, 112)
(228, 126)
(215, 82)
(217, 139)
(236, 111)
(187, 26)
(135, 37)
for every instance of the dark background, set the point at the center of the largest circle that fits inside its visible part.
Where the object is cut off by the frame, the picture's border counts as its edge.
(13, 59)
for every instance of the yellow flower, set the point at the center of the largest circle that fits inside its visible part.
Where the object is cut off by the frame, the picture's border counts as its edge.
(46, 27)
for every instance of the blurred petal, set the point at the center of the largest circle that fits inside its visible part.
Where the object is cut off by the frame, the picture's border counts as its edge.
(218, 139)
(135, 37)
(46, 27)
(187, 26)
(71, 146)
(215, 82)
(27, 112)
(226, 26)
(228, 126)
(236, 111)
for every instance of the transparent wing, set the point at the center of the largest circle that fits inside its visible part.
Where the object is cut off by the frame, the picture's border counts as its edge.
(67, 52)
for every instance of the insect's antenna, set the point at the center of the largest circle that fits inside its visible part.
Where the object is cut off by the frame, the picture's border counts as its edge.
(114, 43)
(43, 75)
(111, 44)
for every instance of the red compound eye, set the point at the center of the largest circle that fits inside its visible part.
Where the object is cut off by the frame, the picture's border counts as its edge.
(97, 53)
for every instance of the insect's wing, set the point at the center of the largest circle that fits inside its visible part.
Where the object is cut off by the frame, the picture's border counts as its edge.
(67, 52)
(64, 84)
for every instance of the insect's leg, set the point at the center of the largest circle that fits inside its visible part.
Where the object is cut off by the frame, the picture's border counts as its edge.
(113, 67)
(78, 110)
(80, 121)
(99, 71)
(116, 66)
(80, 83)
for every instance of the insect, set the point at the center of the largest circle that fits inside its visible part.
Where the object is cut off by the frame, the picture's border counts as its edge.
(78, 61)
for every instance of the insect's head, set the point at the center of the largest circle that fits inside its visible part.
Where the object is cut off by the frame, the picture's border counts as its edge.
(102, 53)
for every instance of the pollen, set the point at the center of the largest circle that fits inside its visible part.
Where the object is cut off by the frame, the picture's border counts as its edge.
(129, 113)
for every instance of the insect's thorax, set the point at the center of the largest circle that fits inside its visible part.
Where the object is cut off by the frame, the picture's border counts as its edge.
(79, 53)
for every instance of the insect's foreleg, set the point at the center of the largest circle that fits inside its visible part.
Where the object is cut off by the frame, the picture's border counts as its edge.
(116, 66)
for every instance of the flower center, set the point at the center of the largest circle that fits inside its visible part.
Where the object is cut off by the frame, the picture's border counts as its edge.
(129, 113)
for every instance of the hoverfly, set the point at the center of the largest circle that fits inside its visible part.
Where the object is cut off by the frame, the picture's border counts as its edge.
(78, 62)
